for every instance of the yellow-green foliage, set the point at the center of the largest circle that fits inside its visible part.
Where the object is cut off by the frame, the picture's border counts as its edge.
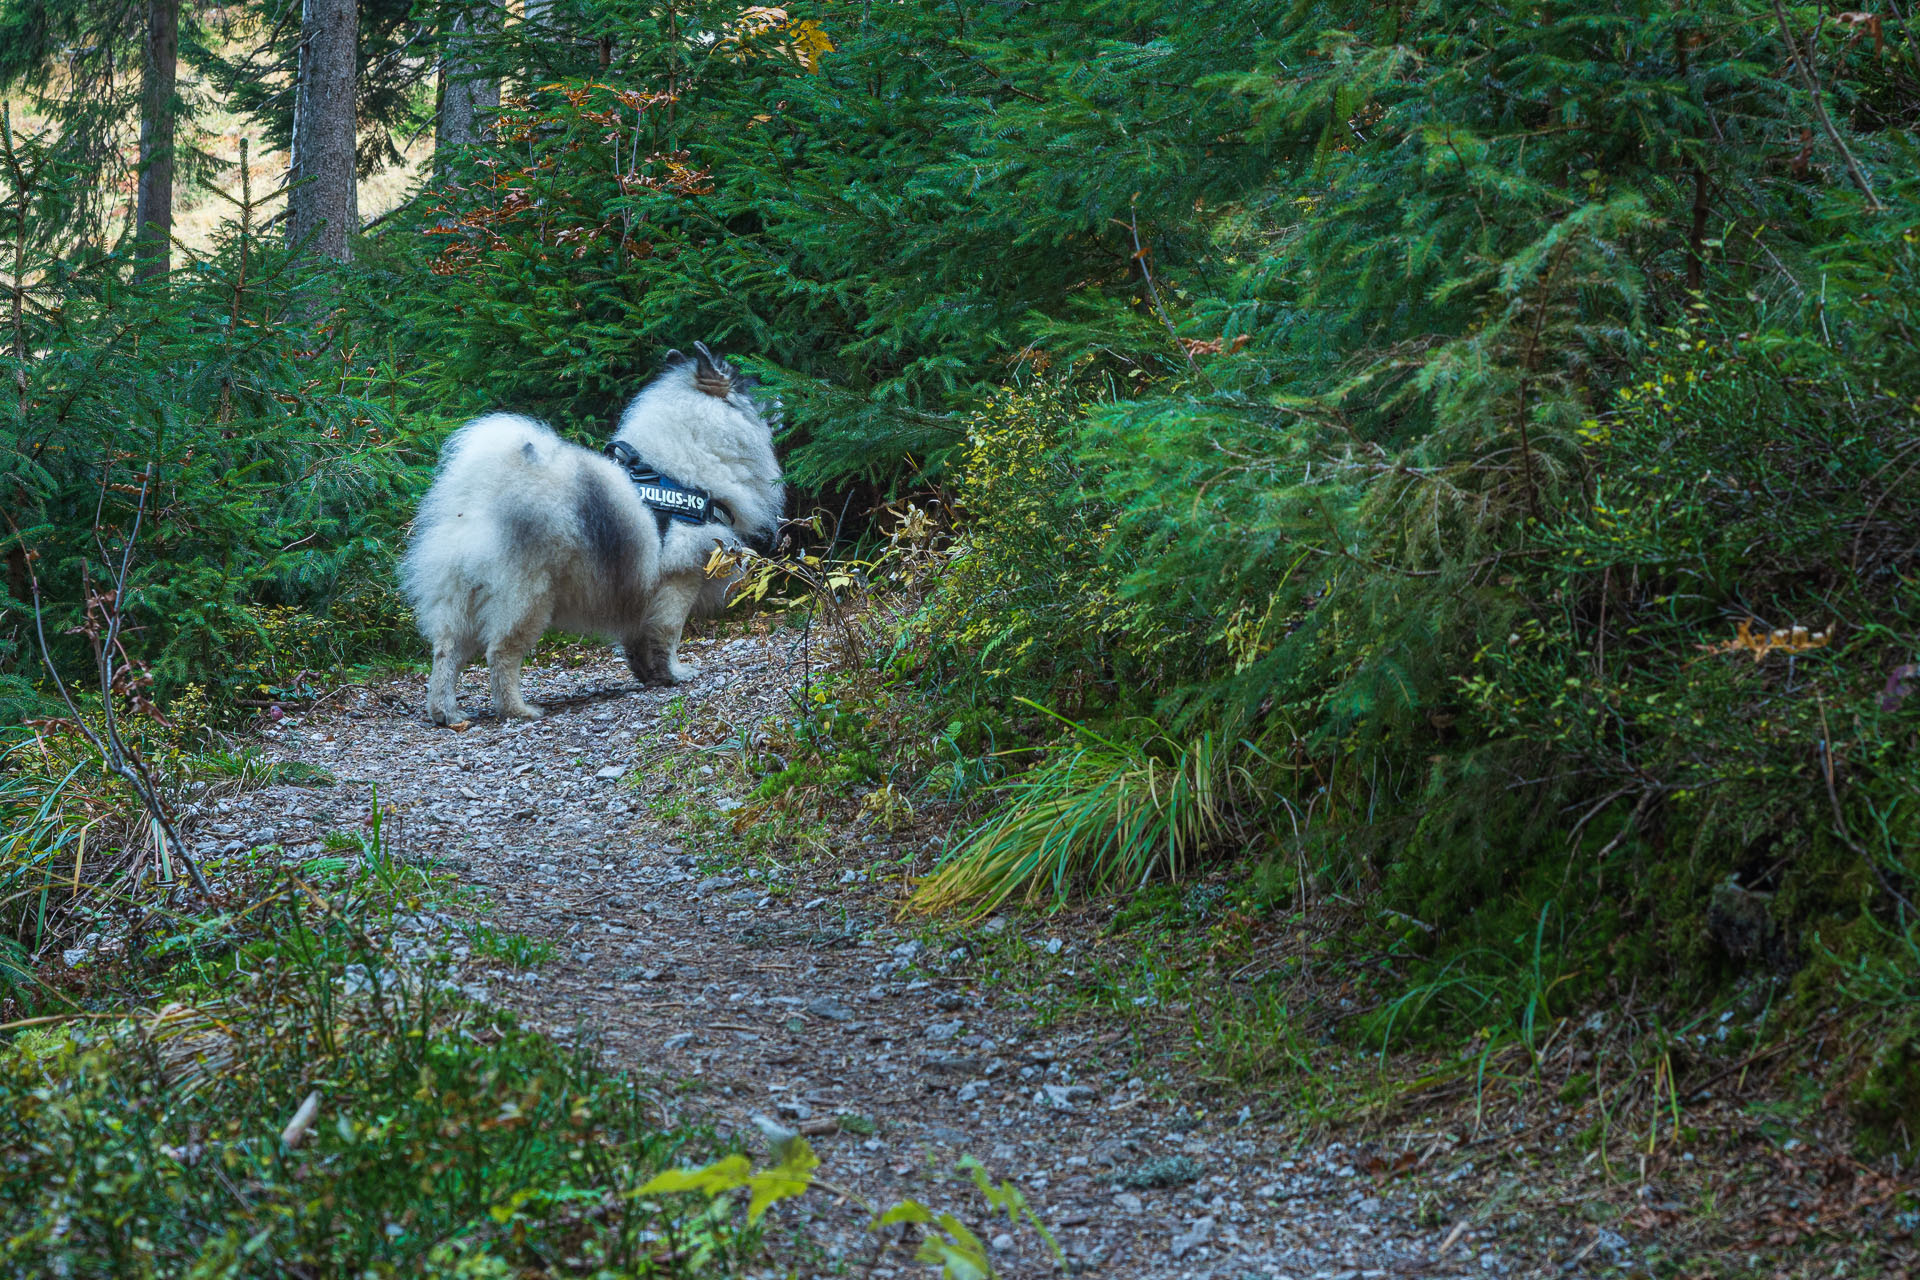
(1028, 588)
(434, 1151)
(288, 644)
(46, 1048)
(946, 1242)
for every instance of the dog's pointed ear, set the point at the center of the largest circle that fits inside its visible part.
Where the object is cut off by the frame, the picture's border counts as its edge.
(710, 375)
(673, 359)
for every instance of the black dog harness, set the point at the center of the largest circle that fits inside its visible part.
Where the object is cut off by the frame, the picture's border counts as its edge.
(668, 498)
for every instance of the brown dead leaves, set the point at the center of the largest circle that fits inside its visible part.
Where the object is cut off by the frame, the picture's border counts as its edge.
(1196, 347)
(1752, 638)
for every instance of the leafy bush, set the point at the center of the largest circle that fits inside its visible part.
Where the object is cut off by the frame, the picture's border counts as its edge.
(1027, 599)
(309, 1106)
(1518, 476)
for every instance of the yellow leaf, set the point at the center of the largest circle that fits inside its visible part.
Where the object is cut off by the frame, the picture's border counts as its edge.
(809, 43)
(779, 1183)
(804, 40)
(905, 1211)
(721, 1176)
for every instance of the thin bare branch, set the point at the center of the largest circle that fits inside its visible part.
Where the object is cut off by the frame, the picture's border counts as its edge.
(1803, 66)
(113, 752)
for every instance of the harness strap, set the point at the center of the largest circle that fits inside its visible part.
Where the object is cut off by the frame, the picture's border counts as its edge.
(669, 499)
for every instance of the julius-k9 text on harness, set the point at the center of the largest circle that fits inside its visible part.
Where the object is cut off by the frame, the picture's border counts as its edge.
(668, 498)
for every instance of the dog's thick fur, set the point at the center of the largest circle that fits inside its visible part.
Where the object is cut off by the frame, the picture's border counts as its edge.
(523, 531)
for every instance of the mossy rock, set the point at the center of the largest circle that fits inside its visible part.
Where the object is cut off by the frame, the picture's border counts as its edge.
(1742, 923)
(1163, 1171)
(50, 1050)
(1886, 1102)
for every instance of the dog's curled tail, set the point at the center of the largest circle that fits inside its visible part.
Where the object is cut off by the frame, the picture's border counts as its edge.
(499, 439)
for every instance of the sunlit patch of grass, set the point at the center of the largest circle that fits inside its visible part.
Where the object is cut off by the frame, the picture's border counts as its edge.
(1109, 817)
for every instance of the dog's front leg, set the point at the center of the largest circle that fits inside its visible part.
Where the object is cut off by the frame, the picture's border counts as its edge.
(654, 654)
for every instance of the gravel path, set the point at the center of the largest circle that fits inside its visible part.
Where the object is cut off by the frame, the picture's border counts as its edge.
(812, 1004)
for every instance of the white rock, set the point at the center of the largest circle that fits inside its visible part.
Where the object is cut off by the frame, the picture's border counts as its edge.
(1195, 1235)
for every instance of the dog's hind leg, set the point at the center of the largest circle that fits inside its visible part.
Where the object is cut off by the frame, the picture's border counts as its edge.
(450, 653)
(653, 655)
(504, 657)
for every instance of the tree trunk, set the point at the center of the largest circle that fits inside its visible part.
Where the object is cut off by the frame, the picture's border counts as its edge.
(325, 203)
(467, 98)
(153, 206)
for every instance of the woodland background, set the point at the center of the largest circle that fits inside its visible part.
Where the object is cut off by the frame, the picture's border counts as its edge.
(1448, 464)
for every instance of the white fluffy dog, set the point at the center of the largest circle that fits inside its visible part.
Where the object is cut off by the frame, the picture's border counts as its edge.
(523, 531)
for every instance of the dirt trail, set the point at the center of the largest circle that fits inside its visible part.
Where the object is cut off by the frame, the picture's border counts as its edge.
(814, 1003)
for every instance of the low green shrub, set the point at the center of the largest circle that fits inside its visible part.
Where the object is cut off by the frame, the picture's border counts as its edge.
(306, 1106)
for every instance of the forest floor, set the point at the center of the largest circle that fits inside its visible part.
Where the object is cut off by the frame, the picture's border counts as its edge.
(797, 992)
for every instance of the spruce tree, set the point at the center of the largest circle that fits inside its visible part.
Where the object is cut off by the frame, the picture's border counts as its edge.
(322, 202)
(153, 209)
(254, 70)
(86, 65)
(469, 95)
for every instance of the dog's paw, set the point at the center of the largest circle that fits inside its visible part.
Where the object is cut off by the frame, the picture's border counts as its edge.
(447, 717)
(525, 711)
(682, 672)
(658, 675)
